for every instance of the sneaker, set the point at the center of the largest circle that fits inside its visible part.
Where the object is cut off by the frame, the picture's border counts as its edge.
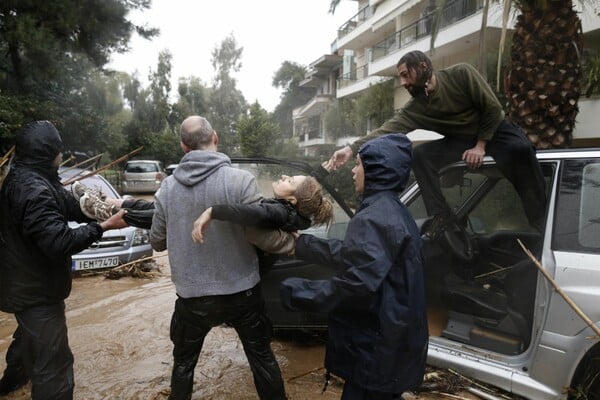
(78, 189)
(435, 227)
(93, 207)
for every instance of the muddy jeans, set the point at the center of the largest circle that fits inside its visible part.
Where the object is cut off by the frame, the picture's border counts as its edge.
(193, 318)
(41, 345)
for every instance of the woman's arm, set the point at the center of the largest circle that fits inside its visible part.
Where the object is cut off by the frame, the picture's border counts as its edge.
(366, 256)
(263, 215)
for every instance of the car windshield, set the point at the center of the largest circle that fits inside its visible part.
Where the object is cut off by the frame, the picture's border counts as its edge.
(141, 167)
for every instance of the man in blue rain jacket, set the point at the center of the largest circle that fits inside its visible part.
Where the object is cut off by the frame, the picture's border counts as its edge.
(376, 302)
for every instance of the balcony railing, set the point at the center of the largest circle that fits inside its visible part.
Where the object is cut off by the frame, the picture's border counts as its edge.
(454, 12)
(357, 74)
(310, 129)
(350, 25)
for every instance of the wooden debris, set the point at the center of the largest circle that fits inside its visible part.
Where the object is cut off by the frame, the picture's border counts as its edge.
(450, 384)
(144, 268)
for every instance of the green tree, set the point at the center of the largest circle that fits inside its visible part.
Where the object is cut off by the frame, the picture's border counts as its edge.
(38, 37)
(339, 119)
(192, 100)
(376, 106)
(257, 132)
(227, 103)
(163, 146)
(288, 78)
(160, 90)
(150, 106)
(49, 52)
(593, 76)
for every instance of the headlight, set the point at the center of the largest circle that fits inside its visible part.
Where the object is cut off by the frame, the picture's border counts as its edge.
(140, 237)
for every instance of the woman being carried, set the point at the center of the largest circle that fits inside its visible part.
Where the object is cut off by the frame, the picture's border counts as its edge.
(297, 204)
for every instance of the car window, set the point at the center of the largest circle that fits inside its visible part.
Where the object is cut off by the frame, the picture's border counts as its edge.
(457, 185)
(138, 167)
(577, 226)
(500, 209)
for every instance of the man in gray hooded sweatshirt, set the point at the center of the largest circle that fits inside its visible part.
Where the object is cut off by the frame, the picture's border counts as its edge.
(217, 282)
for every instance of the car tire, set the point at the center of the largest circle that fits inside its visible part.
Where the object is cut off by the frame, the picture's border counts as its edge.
(586, 380)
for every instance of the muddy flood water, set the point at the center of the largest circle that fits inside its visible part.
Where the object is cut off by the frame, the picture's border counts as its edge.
(119, 335)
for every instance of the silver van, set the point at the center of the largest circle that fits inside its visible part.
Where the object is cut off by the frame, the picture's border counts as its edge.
(142, 176)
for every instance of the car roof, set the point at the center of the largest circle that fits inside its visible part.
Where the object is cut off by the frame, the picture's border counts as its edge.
(578, 152)
(143, 161)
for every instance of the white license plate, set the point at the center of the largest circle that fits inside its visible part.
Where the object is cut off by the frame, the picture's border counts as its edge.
(95, 263)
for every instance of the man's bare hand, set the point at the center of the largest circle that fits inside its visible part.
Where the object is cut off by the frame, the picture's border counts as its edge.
(115, 222)
(474, 156)
(338, 159)
(201, 224)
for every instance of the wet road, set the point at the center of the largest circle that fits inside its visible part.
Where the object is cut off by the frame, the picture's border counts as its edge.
(119, 335)
(118, 332)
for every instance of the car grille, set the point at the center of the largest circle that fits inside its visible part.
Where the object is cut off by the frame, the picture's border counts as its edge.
(110, 241)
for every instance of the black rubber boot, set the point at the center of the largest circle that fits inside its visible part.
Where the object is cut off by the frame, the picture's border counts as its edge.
(11, 381)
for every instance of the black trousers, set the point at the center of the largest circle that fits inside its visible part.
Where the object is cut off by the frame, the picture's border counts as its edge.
(514, 155)
(352, 392)
(40, 348)
(193, 318)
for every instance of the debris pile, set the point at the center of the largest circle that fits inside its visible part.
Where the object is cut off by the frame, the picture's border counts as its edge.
(447, 383)
(143, 268)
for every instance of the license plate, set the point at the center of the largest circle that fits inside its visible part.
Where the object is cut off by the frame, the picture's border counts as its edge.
(95, 263)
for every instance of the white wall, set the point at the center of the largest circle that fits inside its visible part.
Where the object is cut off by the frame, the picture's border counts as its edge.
(587, 124)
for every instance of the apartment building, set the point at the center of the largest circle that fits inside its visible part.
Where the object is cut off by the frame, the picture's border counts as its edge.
(370, 43)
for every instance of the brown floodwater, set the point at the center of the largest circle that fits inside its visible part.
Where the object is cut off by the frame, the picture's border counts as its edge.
(119, 335)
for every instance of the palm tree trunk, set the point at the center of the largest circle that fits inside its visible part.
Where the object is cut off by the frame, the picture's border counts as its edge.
(543, 83)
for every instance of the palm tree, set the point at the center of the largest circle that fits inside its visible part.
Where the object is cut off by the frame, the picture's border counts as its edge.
(543, 80)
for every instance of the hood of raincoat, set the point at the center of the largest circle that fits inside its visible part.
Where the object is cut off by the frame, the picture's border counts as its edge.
(387, 162)
(38, 144)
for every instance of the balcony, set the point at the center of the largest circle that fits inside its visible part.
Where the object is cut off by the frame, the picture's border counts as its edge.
(357, 74)
(453, 13)
(350, 25)
(315, 106)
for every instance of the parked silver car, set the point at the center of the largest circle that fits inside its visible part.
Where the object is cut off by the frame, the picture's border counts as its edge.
(492, 315)
(117, 246)
(170, 168)
(142, 176)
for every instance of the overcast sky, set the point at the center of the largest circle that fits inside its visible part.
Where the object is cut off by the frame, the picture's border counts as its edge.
(270, 32)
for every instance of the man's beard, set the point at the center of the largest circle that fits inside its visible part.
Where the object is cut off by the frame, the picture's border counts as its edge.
(420, 86)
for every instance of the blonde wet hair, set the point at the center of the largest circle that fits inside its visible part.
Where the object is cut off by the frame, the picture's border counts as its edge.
(311, 203)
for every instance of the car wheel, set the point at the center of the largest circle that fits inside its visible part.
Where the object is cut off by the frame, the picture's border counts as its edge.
(586, 381)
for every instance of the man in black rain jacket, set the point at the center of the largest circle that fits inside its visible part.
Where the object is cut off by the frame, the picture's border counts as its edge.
(377, 317)
(36, 245)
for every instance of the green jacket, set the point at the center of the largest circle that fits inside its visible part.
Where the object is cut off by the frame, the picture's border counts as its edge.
(462, 105)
